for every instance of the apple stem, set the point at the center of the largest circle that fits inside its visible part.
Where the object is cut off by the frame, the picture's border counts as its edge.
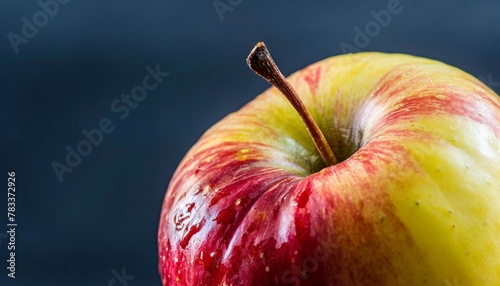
(261, 62)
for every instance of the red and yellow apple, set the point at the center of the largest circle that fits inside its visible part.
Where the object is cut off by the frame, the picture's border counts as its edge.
(413, 200)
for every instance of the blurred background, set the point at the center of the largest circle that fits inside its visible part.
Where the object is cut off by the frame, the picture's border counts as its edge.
(67, 69)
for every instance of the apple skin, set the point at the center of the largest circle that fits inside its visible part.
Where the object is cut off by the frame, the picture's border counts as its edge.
(415, 199)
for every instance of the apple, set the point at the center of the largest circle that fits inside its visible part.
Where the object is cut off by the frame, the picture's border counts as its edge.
(386, 173)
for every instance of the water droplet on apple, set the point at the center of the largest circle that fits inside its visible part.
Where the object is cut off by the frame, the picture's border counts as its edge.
(198, 169)
(179, 218)
(217, 197)
(205, 260)
(181, 215)
(302, 198)
(238, 202)
(206, 189)
(199, 190)
(199, 260)
(190, 231)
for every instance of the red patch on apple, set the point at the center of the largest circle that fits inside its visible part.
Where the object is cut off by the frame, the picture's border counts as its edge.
(312, 77)
(429, 100)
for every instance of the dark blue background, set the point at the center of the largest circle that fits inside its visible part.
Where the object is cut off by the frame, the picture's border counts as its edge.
(104, 215)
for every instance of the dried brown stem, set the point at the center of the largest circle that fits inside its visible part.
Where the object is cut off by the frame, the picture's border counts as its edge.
(261, 62)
